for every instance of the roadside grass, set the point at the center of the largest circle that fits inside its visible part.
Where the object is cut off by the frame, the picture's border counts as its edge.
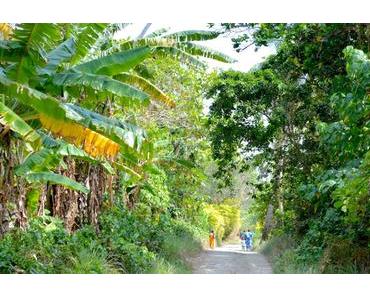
(286, 255)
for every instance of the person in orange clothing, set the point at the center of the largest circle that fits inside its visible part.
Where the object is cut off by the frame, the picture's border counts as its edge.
(212, 240)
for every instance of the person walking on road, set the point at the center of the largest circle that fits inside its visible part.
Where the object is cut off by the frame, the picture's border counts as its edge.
(249, 240)
(212, 240)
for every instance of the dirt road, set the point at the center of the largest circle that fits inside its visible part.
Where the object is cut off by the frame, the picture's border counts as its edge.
(230, 259)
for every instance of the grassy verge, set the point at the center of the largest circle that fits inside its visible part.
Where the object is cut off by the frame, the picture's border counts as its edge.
(122, 245)
(288, 255)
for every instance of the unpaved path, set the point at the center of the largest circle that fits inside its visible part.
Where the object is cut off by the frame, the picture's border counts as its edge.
(230, 259)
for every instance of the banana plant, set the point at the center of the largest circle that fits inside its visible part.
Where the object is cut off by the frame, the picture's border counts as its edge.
(180, 45)
(50, 72)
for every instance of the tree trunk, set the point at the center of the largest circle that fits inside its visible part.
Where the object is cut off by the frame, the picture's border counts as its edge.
(268, 222)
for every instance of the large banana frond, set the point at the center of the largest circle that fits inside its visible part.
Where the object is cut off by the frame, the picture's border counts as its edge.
(49, 158)
(10, 51)
(61, 53)
(81, 132)
(120, 132)
(86, 36)
(53, 178)
(178, 54)
(198, 50)
(70, 150)
(157, 33)
(115, 63)
(31, 97)
(179, 46)
(40, 37)
(146, 86)
(93, 143)
(43, 160)
(36, 40)
(192, 35)
(130, 137)
(173, 39)
(101, 83)
(10, 119)
(54, 117)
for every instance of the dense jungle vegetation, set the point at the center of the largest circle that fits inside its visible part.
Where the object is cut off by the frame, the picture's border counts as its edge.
(109, 164)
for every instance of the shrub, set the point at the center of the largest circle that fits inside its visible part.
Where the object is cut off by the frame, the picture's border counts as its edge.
(46, 247)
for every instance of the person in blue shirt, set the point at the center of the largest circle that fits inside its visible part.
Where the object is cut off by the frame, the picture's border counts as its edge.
(249, 240)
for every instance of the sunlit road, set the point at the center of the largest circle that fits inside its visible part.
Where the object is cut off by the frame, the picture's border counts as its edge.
(230, 259)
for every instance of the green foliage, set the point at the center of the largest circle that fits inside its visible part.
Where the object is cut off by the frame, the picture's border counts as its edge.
(32, 199)
(301, 118)
(125, 244)
(16, 124)
(72, 81)
(224, 218)
(47, 248)
(146, 245)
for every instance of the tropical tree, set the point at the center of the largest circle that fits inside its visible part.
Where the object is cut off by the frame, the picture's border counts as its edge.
(290, 118)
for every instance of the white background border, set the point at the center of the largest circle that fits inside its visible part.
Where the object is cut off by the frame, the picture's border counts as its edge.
(185, 10)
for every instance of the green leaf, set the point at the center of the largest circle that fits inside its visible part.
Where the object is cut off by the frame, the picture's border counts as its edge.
(53, 178)
(85, 38)
(101, 83)
(31, 97)
(45, 159)
(36, 40)
(17, 124)
(179, 54)
(198, 50)
(192, 35)
(61, 53)
(70, 150)
(37, 37)
(115, 63)
(146, 86)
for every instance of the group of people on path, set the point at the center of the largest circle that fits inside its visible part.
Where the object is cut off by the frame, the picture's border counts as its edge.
(246, 240)
(245, 237)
